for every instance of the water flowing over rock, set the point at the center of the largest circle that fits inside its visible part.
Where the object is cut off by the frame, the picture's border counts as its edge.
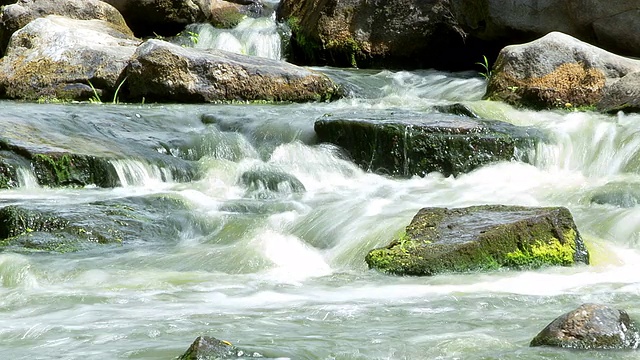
(62, 58)
(80, 150)
(407, 145)
(363, 33)
(16, 16)
(482, 238)
(161, 71)
(557, 71)
(590, 326)
(34, 227)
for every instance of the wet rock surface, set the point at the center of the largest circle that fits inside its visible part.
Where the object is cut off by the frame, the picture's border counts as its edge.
(486, 237)
(406, 144)
(590, 326)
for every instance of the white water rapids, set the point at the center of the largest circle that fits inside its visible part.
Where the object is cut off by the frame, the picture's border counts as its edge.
(282, 273)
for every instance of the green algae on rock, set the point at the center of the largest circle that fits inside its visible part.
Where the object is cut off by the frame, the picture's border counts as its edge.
(407, 144)
(482, 238)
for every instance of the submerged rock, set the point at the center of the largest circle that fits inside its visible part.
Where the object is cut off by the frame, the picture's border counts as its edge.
(408, 145)
(272, 180)
(624, 195)
(557, 71)
(16, 16)
(210, 348)
(161, 71)
(480, 238)
(60, 58)
(36, 227)
(590, 326)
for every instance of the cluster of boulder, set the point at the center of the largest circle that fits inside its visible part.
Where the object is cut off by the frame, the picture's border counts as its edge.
(82, 50)
(91, 49)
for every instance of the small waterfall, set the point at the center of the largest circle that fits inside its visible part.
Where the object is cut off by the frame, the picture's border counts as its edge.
(596, 145)
(256, 37)
(26, 178)
(137, 173)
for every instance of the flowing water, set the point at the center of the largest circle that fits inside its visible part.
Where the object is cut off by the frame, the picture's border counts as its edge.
(282, 272)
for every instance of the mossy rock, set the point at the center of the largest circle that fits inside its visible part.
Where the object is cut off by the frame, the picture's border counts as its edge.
(67, 169)
(590, 326)
(37, 227)
(416, 144)
(485, 237)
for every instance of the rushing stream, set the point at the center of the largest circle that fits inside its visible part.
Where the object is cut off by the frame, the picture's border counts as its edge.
(282, 272)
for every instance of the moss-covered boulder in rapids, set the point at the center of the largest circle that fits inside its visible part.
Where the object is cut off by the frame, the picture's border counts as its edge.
(416, 144)
(37, 227)
(590, 326)
(481, 238)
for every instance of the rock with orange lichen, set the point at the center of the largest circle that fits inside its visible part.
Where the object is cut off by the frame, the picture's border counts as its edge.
(556, 71)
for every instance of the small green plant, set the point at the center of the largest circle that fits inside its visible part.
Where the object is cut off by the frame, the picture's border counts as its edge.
(194, 37)
(96, 97)
(485, 65)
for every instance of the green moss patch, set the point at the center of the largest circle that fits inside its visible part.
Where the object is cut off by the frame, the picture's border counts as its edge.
(482, 238)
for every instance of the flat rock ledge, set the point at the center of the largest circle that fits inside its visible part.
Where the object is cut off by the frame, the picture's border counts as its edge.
(559, 71)
(161, 71)
(487, 237)
(408, 145)
(590, 326)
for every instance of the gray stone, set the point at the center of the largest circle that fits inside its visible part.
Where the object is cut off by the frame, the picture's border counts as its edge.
(62, 58)
(161, 71)
(554, 71)
(14, 17)
(590, 326)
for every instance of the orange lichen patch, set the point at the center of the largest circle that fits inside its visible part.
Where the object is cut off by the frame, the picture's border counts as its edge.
(567, 77)
(569, 83)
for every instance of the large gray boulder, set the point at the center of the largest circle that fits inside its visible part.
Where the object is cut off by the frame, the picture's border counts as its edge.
(391, 33)
(557, 70)
(613, 25)
(58, 57)
(486, 237)
(590, 326)
(161, 71)
(14, 17)
(407, 144)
